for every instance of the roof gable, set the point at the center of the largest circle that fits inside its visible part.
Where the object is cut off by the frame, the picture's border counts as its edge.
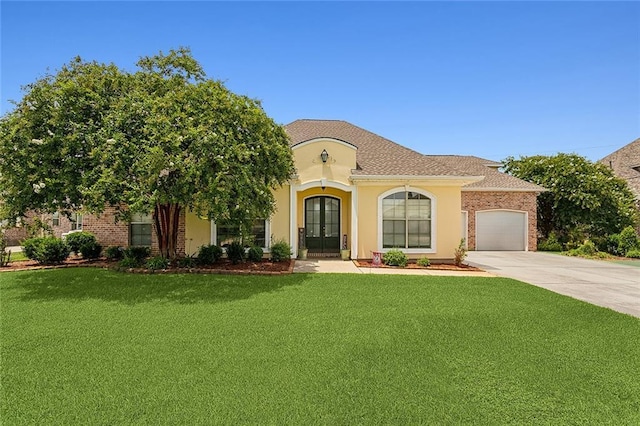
(625, 164)
(376, 156)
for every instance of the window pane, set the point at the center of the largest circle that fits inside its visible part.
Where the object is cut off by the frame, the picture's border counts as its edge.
(226, 234)
(141, 218)
(419, 234)
(140, 234)
(259, 233)
(393, 209)
(76, 222)
(393, 233)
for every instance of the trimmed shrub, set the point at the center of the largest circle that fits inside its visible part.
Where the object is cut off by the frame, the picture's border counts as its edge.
(137, 252)
(209, 254)
(188, 261)
(131, 262)
(255, 254)
(280, 251)
(46, 250)
(634, 254)
(157, 263)
(76, 240)
(135, 256)
(114, 253)
(395, 257)
(586, 249)
(91, 250)
(628, 241)
(551, 243)
(235, 252)
(424, 261)
(612, 243)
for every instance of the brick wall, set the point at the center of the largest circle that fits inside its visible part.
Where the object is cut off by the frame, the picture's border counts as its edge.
(15, 235)
(473, 201)
(110, 232)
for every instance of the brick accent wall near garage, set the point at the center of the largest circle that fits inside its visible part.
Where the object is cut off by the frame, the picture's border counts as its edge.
(473, 201)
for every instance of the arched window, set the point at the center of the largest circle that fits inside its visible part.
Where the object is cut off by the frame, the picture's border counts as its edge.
(406, 220)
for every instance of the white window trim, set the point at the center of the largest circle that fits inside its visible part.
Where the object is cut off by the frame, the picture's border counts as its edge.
(434, 227)
(267, 235)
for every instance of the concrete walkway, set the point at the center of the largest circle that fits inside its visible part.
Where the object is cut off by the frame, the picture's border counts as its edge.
(348, 267)
(598, 282)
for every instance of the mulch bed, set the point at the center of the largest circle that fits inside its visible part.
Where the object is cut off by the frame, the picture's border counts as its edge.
(222, 266)
(413, 265)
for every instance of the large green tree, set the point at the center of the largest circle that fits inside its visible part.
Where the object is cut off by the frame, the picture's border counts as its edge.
(160, 139)
(580, 194)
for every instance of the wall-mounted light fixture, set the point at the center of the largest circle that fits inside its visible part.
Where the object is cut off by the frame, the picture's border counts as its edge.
(324, 156)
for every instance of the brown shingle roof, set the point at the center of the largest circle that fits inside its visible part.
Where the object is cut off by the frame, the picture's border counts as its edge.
(625, 163)
(376, 156)
(493, 179)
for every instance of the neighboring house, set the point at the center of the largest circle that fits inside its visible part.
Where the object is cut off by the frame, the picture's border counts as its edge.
(14, 235)
(354, 189)
(625, 164)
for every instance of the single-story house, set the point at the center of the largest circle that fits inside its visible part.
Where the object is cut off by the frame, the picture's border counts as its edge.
(359, 191)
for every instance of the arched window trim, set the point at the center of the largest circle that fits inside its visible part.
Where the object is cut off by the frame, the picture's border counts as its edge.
(434, 227)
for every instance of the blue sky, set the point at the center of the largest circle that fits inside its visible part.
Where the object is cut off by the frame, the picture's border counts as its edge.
(490, 79)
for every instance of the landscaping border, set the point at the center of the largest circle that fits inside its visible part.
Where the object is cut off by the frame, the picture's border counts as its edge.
(115, 267)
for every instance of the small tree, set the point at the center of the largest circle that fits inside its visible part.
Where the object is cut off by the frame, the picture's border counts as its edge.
(580, 194)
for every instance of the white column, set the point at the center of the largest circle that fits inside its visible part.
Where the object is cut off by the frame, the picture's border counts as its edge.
(293, 215)
(354, 222)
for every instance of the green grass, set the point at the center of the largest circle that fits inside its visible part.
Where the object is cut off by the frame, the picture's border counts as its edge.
(89, 346)
(16, 256)
(629, 262)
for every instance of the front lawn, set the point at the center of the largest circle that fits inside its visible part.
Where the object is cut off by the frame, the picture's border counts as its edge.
(89, 346)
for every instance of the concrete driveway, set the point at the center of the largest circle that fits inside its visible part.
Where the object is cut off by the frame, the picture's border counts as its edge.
(601, 283)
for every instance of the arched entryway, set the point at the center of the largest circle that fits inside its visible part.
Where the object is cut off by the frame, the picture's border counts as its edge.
(322, 224)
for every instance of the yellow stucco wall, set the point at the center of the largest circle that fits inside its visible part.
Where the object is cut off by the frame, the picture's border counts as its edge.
(197, 233)
(312, 173)
(446, 222)
(280, 219)
(342, 159)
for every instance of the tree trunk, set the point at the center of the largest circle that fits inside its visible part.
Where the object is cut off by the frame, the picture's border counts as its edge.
(166, 218)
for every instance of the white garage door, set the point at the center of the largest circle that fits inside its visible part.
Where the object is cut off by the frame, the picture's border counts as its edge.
(501, 230)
